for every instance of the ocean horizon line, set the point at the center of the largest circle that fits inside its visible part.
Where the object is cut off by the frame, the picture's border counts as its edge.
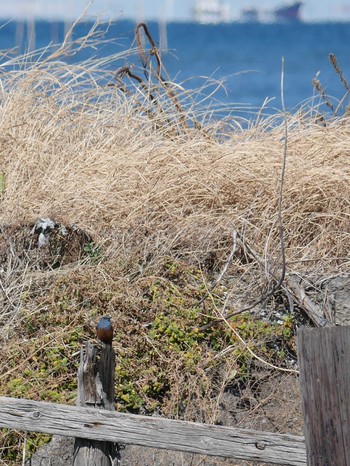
(105, 20)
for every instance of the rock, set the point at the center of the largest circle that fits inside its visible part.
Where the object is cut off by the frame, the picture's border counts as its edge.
(58, 452)
(336, 290)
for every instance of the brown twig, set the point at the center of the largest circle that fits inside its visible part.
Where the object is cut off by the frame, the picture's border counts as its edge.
(338, 70)
(146, 64)
(125, 71)
(322, 93)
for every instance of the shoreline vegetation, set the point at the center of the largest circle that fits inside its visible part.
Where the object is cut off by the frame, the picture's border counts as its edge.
(179, 226)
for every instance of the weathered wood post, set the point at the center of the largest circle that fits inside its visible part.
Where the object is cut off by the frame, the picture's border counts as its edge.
(96, 389)
(324, 360)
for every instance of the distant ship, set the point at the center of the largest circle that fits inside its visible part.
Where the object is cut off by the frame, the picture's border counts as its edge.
(290, 12)
(211, 12)
(250, 15)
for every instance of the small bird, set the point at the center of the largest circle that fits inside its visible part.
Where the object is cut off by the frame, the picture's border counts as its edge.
(104, 330)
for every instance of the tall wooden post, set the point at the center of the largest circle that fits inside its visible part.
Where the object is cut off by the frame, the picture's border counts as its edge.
(96, 389)
(324, 360)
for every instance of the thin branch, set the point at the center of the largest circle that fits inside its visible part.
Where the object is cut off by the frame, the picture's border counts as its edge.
(255, 356)
(252, 353)
(164, 82)
(283, 173)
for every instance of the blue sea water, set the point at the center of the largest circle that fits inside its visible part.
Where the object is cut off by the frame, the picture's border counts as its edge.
(247, 56)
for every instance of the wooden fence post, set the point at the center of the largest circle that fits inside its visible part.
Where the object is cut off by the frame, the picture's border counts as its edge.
(324, 360)
(96, 390)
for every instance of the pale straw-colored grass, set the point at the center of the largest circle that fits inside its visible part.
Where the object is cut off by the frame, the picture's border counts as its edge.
(140, 181)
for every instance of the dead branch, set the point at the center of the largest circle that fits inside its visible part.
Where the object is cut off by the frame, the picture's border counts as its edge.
(312, 310)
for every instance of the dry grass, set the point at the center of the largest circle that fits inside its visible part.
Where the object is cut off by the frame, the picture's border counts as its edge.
(92, 158)
(149, 181)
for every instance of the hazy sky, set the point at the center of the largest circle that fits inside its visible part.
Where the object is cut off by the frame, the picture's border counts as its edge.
(151, 9)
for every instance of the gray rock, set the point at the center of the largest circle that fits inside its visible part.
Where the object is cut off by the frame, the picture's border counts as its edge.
(336, 290)
(58, 452)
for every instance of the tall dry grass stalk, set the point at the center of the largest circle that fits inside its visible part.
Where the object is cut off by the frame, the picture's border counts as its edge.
(129, 173)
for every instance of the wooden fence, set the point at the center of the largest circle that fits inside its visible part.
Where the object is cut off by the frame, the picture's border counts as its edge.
(110, 426)
(325, 386)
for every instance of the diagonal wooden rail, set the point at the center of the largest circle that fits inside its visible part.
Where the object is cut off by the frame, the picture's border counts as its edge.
(97, 424)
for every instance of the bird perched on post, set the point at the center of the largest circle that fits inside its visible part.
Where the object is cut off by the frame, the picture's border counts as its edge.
(104, 330)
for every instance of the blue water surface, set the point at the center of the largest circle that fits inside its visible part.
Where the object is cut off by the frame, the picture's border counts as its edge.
(247, 56)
